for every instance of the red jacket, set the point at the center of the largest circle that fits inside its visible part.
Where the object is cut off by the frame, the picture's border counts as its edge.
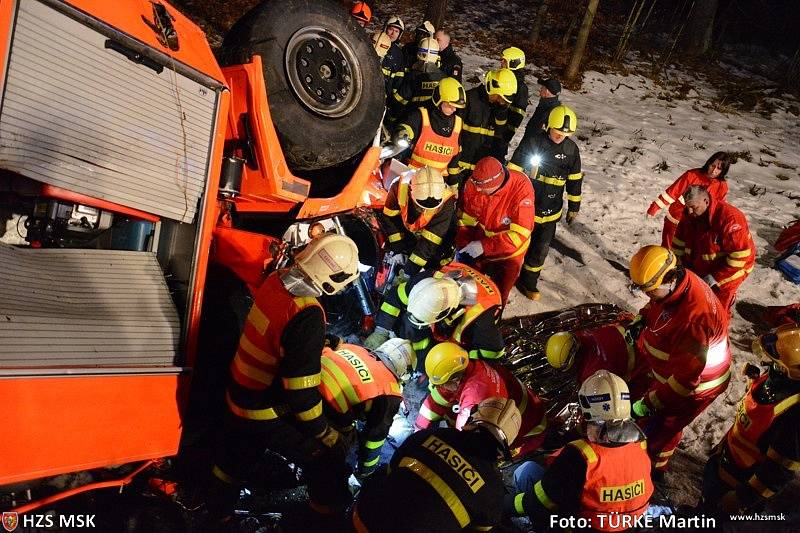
(672, 198)
(502, 221)
(685, 341)
(481, 381)
(604, 348)
(717, 243)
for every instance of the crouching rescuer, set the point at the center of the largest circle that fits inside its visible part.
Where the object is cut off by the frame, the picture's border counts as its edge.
(603, 478)
(273, 397)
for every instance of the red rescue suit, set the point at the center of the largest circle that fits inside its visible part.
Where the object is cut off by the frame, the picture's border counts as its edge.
(608, 348)
(717, 244)
(432, 149)
(672, 200)
(481, 381)
(502, 222)
(685, 342)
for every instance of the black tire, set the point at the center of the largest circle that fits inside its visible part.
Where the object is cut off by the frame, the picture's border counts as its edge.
(318, 41)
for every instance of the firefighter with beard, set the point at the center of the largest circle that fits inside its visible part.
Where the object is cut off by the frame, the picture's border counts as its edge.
(685, 344)
(456, 303)
(417, 218)
(495, 219)
(485, 117)
(457, 383)
(760, 454)
(553, 162)
(272, 397)
(443, 479)
(434, 131)
(603, 477)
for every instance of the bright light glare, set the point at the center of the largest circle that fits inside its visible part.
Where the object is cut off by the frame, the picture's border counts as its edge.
(536, 160)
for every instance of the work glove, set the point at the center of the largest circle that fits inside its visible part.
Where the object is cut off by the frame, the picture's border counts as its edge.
(333, 443)
(640, 409)
(710, 281)
(473, 249)
(634, 329)
(376, 338)
(395, 259)
(401, 138)
(571, 216)
(332, 341)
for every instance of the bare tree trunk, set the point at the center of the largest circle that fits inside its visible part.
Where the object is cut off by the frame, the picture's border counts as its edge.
(573, 23)
(700, 28)
(580, 44)
(630, 25)
(536, 29)
(435, 12)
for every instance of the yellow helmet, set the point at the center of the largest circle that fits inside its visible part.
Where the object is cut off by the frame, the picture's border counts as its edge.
(501, 418)
(330, 263)
(427, 188)
(451, 91)
(782, 346)
(501, 81)
(428, 50)
(650, 265)
(515, 58)
(604, 396)
(432, 300)
(560, 350)
(445, 360)
(381, 42)
(563, 120)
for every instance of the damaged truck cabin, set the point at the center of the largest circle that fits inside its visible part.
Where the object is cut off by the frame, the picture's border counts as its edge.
(131, 161)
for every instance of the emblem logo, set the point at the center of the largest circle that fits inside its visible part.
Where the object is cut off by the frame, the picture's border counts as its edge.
(10, 521)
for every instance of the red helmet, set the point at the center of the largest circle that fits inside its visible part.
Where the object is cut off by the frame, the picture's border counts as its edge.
(488, 175)
(361, 11)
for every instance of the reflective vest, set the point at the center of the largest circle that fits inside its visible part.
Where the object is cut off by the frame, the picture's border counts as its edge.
(432, 149)
(259, 354)
(351, 376)
(617, 483)
(753, 419)
(426, 215)
(488, 297)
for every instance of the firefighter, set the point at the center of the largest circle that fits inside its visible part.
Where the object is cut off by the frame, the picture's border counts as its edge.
(420, 81)
(417, 217)
(711, 175)
(455, 303)
(685, 343)
(485, 116)
(443, 479)
(549, 89)
(451, 63)
(357, 386)
(423, 31)
(393, 64)
(457, 383)
(553, 161)
(760, 454)
(362, 13)
(713, 240)
(513, 59)
(495, 219)
(433, 131)
(272, 397)
(603, 477)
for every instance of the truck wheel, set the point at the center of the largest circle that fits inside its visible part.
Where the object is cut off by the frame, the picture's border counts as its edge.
(324, 82)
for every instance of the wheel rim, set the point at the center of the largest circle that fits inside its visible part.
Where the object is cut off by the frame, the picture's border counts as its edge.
(323, 72)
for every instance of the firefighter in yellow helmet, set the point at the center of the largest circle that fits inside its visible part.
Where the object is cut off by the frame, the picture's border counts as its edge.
(443, 479)
(434, 131)
(486, 116)
(272, 397)
(552, 160)
(760, 454)
(610, 457)
(513, 58)
(419, 82)
(417, 220)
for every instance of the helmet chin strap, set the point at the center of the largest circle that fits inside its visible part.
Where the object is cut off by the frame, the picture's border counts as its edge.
(298, 284)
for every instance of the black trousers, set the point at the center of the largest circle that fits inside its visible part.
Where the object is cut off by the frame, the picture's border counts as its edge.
(541, 238)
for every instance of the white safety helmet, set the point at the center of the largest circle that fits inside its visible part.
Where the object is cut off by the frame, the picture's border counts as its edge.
(330, 263)
(399, 357)
(501, 418)
(381, 42)
(427, 188)
(604, 396)
(432, 300)
(428, 50)
(396, 22)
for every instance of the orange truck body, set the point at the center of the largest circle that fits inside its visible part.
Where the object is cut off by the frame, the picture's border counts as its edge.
(57, 423)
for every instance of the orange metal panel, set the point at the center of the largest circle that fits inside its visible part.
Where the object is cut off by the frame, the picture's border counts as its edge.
(54, 425)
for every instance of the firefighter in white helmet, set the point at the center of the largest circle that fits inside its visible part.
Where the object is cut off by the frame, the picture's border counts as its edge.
(419, 82)
(418, 218)
(273, 400)
(446, 479)
(393, 64)
(603, 477)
